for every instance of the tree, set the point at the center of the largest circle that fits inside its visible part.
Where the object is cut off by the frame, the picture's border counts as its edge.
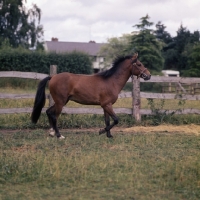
(147, 45)
(168, 52)
(113, 48)
(20, 26)
(176, 52)
(193, 69)
(161, 34)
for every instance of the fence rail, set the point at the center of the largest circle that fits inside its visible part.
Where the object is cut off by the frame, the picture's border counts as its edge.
(135, 95)
(164, 79)
(121, 95)
(16, 74)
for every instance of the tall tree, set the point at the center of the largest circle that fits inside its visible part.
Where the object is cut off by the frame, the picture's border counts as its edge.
(147, 45)
(193, 68)
(168, 43)
(19, 25)
(176, 52)
(161, 34)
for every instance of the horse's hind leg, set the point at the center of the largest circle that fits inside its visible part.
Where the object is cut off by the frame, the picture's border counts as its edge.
(49, 113)
(53, 113)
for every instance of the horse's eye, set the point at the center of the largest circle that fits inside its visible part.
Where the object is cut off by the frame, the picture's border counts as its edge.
(139, 65)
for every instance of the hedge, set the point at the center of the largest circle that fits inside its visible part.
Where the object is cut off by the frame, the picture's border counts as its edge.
(28, 61)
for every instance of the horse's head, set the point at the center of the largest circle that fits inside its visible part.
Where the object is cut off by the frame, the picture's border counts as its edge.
(138, 68)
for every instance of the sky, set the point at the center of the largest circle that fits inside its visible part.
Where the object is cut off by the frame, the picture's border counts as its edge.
(99, 20)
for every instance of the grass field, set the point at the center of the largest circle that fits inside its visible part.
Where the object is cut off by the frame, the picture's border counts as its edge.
(142, 162)
(133, 165)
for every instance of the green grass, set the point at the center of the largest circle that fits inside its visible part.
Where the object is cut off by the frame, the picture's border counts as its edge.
(88, 166)
(23, 121)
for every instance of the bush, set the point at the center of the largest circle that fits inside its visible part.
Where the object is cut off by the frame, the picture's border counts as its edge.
(28, 61)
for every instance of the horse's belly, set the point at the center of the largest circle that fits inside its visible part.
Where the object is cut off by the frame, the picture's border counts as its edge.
(86, 100)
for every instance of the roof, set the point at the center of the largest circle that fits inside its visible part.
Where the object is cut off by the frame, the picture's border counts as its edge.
(91, 48)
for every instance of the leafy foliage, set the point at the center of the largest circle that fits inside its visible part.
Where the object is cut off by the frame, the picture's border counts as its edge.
(145, 43)
(148, 47)
(27, 61)
(19, 25)
(161, 34)
(194, 62)
(115, 47)
(158, 49)
(177, 51)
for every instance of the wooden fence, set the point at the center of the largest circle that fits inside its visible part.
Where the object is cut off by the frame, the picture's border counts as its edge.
(136, 95)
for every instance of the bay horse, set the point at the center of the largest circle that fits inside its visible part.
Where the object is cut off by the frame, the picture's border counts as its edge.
(97, 89)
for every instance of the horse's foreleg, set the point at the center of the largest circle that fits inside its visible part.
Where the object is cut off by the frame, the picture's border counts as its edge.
(108, 111)
(107, 122)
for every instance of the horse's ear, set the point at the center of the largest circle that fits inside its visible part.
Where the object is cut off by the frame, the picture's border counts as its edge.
(135, 55)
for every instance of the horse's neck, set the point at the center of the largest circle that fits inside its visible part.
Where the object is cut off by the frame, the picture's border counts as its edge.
(120, 78)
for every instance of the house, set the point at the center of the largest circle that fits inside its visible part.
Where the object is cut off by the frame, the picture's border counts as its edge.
(91, 48)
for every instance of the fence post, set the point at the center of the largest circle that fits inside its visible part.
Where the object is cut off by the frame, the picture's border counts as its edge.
(53, 71)
(136, 98)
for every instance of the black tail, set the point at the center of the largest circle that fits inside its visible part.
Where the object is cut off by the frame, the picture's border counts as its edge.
(40, 99)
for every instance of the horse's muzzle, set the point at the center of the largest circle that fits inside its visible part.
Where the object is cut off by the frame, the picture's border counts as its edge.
(145, 76)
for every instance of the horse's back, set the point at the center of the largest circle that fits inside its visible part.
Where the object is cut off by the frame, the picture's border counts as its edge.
(69, 82)
(75, 79)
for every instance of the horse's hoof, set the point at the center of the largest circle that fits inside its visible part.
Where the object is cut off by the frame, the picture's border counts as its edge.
(109, 136)
(102, 131)
(51, 133)
(61, 137)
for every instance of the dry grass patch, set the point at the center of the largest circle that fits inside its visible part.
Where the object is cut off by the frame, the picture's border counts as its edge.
(185, 129)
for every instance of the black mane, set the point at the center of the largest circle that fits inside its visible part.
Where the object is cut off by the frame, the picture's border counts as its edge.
(108, 73)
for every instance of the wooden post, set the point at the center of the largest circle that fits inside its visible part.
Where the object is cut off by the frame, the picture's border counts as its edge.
(136, 99)
(170, 87)
(53, 71)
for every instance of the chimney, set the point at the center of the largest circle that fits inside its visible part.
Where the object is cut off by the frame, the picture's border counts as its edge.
(54, 39)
